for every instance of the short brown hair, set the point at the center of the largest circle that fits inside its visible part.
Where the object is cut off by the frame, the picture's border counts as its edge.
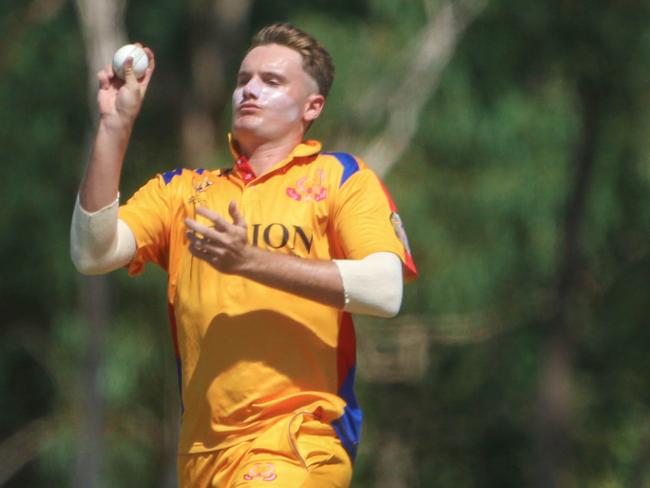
(316, 61)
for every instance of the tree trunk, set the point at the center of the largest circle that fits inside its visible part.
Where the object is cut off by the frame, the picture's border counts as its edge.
(217, 37)
(555, 388)
(23, 447)
(103, 28)
(430, 54)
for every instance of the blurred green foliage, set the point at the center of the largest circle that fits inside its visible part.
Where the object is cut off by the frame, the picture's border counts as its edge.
(482, 189)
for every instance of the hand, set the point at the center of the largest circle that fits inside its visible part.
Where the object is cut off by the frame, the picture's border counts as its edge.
(224, 245)
(119, 101)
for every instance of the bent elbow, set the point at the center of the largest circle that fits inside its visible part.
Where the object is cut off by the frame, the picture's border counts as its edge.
(84, 265)
(389, 305)
(389, 313)
(373, 285)
(384, 301)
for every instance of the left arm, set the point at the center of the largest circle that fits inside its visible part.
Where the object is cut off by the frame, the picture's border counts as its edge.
(225, 247)
(353, 285)
(309, 278)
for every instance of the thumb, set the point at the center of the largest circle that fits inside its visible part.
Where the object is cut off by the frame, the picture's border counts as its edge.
(129, 75)
(237, 218)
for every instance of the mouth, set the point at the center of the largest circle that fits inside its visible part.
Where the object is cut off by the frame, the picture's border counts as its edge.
(248, 107)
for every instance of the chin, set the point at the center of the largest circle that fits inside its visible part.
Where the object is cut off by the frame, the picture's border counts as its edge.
(247, 123)
(247, 132)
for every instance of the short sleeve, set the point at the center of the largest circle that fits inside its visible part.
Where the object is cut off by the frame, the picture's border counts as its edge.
(366, 220)
(147, 213)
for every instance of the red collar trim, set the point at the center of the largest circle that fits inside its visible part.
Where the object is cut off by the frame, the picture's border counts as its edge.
(246, 172)
(244, 169)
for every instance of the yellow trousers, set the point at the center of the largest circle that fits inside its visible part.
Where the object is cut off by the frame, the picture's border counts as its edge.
(297, 452)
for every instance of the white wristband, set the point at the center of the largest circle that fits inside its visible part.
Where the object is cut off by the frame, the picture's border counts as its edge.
(372, 285)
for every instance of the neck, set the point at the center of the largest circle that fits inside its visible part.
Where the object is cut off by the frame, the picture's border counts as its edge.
(262, 156)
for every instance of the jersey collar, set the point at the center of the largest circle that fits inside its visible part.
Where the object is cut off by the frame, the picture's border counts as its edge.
(245, 171)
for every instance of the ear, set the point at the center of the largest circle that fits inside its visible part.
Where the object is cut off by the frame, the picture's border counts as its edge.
(313, 107)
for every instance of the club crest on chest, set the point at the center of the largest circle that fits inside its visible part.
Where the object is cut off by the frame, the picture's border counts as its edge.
(309, 188)
(200, 183)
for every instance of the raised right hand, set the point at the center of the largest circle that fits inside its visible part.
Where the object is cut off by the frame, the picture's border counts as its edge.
(119, 101)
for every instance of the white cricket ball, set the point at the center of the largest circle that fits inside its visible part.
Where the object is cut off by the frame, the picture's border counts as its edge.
(140, 60)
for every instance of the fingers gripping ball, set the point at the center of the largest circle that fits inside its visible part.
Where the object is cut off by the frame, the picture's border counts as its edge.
(140, 60)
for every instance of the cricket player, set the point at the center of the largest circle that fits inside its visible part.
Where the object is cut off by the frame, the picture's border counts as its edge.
(266, 260)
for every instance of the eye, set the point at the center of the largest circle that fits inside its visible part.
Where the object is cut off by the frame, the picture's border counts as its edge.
(242, 79)
(272, 79)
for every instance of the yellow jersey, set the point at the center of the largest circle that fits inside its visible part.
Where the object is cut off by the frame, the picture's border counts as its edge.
(248, 354)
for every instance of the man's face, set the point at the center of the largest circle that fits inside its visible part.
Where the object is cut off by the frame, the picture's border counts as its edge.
(274, 96)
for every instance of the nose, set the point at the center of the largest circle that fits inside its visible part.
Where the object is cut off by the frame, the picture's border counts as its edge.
(252, 89)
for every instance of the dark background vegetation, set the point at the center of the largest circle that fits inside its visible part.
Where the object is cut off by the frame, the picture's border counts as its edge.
(513, 137)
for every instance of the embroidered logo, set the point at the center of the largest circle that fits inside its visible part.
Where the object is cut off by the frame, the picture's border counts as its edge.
(200, 183)
(399, 230)
(262, 472)
(309, 188)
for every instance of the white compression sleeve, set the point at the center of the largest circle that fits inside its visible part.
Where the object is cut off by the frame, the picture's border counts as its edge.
(99, 241)
(372, 285)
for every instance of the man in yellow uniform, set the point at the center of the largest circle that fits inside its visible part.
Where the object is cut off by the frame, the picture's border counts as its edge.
(266, 260)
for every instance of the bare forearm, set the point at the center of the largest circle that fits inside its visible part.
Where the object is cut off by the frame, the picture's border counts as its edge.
(119, 103)
(309, 278)
(225, 247)
(100, 183)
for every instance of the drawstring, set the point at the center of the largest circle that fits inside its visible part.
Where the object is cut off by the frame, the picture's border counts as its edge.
(292, 439)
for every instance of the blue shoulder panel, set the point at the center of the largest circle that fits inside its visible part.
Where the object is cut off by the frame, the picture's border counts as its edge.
(169, 175)
(349, 163)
